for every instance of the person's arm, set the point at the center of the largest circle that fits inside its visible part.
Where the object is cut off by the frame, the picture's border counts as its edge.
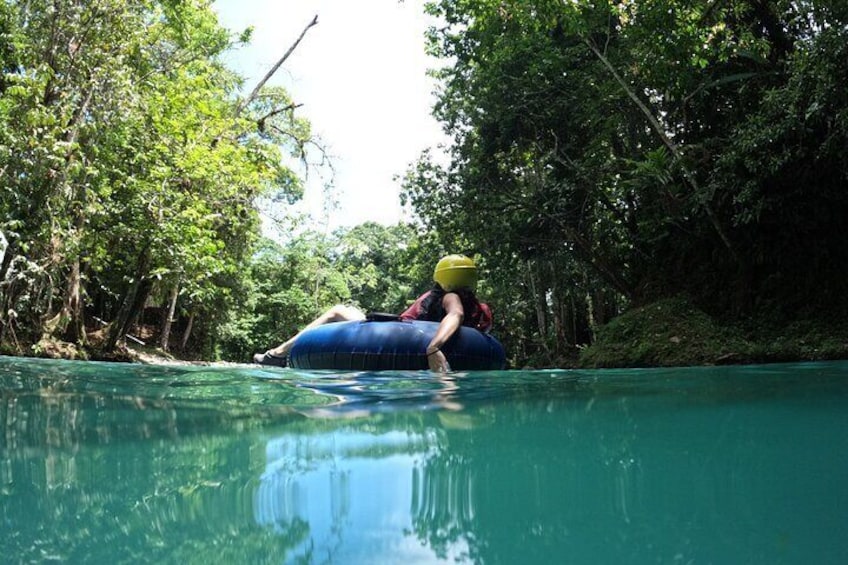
(448, 326)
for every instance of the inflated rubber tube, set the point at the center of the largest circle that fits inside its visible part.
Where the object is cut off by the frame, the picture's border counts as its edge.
(391, 345)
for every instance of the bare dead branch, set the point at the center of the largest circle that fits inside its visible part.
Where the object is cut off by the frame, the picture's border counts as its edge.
(274, 69)
(261, 121)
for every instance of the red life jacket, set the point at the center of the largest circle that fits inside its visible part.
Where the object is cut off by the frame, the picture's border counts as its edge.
(478, 315)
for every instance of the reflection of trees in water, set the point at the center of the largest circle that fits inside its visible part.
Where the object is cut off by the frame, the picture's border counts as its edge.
(164, 467)
(442, 505)
(122, 463)
(63, 414)
(51, 419)
(139, 502)
(582, 472)
(473, 480)
(512, 482)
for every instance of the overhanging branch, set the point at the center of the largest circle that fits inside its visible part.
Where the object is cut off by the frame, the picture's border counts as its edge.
(274, 69)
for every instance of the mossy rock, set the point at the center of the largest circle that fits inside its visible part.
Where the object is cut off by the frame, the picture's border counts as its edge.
(806, 340)
(667, 333)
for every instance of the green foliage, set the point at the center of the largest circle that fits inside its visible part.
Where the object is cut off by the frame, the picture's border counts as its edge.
(374, 267)
(286, 288)
(384, 267)
(129, 165)
(596, 164)
(673, 332)
(817, 339)
(707, 158)
(670, 332)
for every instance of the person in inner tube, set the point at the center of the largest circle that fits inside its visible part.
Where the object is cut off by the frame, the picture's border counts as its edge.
(451, 302)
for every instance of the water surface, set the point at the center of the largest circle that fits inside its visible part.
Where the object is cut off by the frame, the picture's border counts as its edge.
(114, 463)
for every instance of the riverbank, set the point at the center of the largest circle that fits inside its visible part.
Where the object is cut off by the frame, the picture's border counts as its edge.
(127, 353)
(673, 333)
(667, 333)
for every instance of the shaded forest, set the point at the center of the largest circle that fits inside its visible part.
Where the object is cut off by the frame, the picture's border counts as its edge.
(612, 154)
(606, 156)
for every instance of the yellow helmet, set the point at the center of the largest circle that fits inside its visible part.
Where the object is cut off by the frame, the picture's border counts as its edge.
(456, 271)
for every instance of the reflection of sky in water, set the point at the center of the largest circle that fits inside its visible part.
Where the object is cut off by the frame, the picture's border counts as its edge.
(102, 463)
(357, 492)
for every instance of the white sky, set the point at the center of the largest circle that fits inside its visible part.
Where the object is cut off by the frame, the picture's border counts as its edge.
(360, 75)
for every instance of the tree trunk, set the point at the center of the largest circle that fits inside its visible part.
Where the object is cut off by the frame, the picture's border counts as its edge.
(560, 339)
(69, 322)
(137, 306)
(538, 295)
(168, 318)
(127, 312)
(187, 332)
(72, 307)
(575, 336)
(5, 289)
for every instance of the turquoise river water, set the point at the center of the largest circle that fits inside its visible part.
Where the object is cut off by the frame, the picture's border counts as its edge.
(113, 463)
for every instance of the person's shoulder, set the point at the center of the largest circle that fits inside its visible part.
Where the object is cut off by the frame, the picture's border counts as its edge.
(452, 301)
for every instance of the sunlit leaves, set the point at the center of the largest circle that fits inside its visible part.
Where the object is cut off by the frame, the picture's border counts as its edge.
(123, 148)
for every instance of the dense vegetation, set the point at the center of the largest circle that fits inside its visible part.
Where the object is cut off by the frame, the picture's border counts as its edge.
(129, 167)
(375, 267)
(606, 156)
(612, 153)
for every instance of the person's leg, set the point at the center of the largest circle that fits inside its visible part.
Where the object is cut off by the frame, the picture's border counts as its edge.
(338, 313)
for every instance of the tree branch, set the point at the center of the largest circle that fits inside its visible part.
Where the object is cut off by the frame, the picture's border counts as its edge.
(261, 121)
(274, 69)
(675, 150)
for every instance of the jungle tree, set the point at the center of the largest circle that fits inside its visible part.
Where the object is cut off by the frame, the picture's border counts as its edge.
(130, 164)
(633, 150)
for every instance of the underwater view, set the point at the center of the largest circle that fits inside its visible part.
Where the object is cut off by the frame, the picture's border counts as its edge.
(122, 463)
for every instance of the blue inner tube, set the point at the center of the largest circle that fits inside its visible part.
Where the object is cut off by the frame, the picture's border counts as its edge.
(391, 345)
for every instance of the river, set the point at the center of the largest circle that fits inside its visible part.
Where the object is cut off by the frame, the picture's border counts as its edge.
(118, 463)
